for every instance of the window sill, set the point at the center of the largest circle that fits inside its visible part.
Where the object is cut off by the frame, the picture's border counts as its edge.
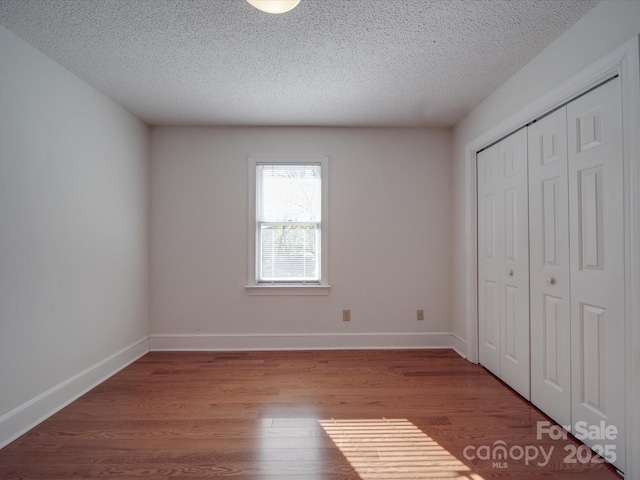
(284, 289)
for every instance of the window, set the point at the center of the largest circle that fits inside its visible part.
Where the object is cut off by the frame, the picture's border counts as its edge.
(288, 225)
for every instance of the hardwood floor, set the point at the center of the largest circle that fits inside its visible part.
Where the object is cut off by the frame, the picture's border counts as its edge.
(325, 415)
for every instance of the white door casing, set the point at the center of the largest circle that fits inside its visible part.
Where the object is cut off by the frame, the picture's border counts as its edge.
(549, 267)
(596, 206)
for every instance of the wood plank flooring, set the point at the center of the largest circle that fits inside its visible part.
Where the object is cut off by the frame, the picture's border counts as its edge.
(321, 415)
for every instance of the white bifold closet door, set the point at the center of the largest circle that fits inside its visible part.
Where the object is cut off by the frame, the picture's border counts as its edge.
(596, 213)
(503, 261)
(549, 267)
(577, 268)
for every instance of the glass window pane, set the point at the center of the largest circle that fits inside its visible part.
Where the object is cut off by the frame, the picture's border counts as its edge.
(288, 193)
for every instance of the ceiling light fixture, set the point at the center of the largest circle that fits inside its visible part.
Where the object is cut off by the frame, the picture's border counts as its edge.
(274, 6)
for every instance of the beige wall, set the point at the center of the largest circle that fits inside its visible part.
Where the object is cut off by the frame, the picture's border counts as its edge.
(389, 229)
(73, 225)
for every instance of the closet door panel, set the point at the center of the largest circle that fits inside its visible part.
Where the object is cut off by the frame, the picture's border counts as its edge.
(503, 261)
(489, 261)
(597, 262)
(549, 267)
(515, 361)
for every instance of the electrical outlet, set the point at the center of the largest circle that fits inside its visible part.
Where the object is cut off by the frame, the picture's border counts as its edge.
(420, 314)
(346, 315)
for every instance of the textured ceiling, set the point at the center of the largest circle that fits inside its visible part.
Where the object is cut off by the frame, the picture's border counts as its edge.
(327, 62)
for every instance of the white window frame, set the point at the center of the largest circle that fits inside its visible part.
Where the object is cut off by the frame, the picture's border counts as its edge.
(288, 288)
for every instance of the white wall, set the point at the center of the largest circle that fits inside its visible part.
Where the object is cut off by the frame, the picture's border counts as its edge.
(608, 25)
(73, 226)
(389, 214)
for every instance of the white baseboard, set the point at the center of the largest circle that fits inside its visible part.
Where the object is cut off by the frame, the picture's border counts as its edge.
(315, 341)
(23, 418)
(459, 345)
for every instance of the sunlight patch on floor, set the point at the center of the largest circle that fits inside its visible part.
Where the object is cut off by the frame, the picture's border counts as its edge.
(385, 449)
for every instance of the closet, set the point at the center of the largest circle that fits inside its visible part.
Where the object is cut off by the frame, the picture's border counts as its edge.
(551, 265)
